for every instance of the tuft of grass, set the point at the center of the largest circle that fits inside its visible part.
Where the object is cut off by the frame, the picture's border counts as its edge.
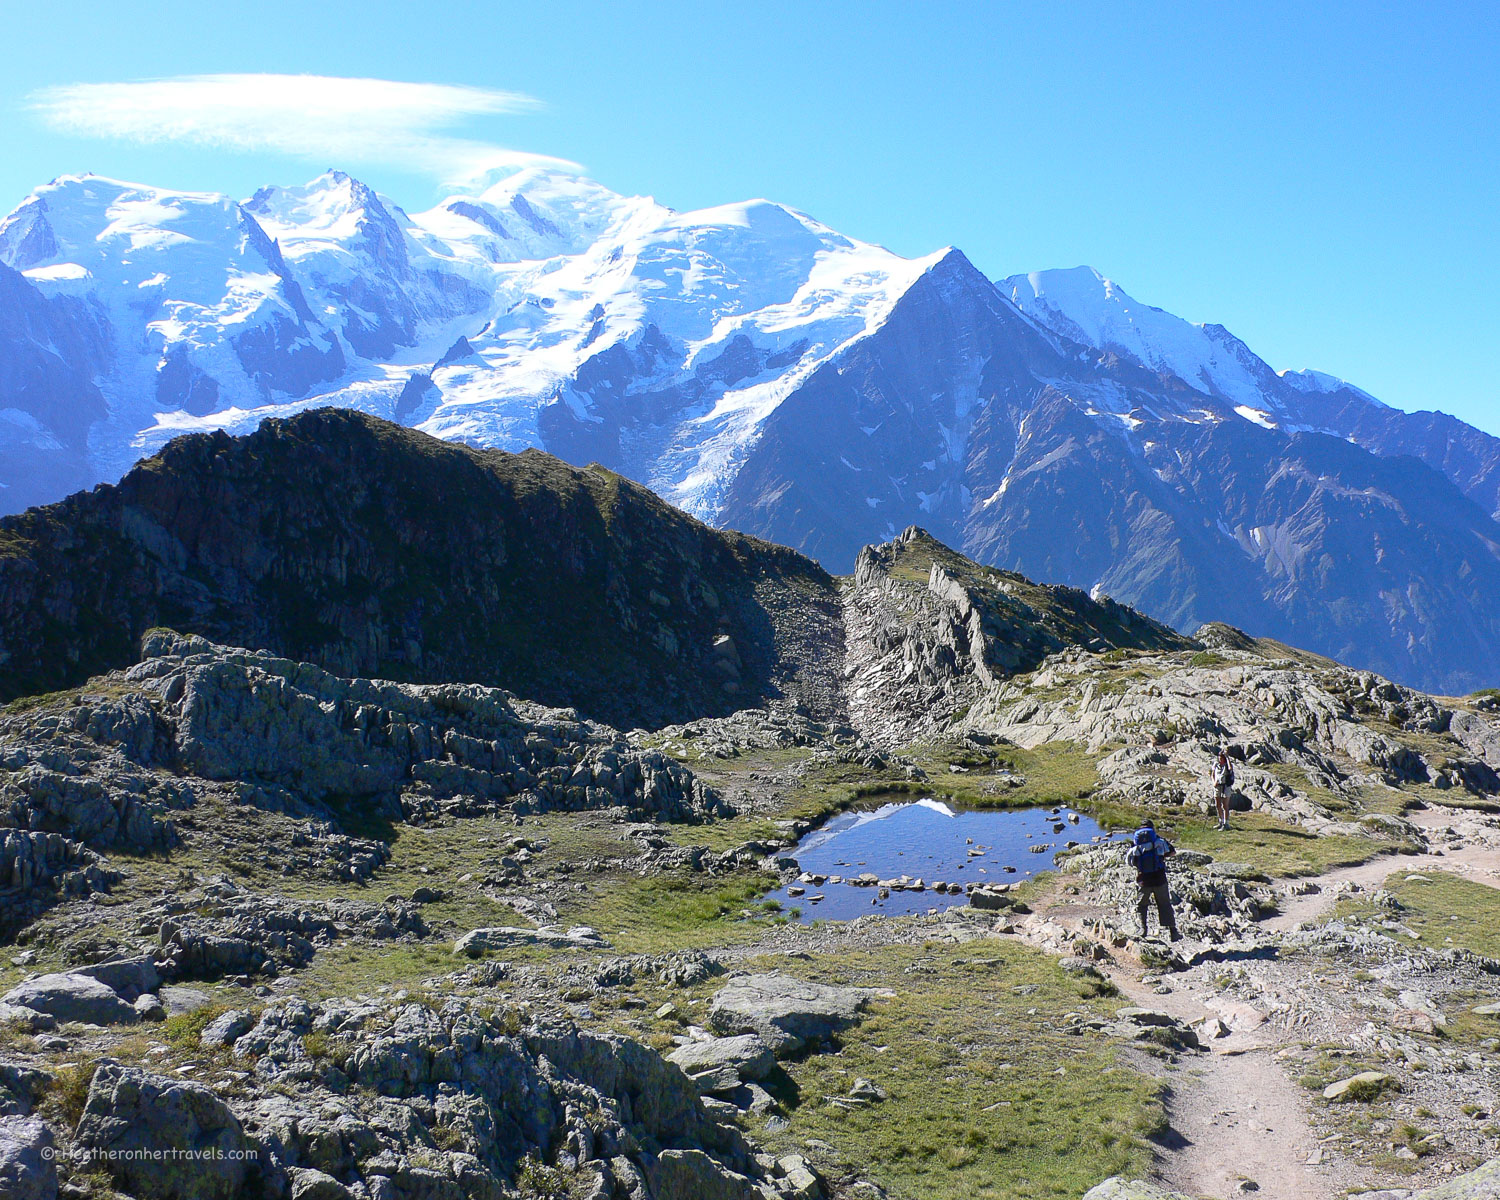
(1208, 658)
(70, 1091)
(184, 1030)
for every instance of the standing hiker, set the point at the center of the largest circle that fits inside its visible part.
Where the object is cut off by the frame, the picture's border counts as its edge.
(1148, 855)
(1223, 787)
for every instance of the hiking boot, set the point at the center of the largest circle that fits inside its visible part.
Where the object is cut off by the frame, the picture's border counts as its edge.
(1176, 937)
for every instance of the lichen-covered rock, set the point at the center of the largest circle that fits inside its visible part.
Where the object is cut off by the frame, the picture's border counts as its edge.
(70, 997)
(1480, 1184)
(164, 1139)
(747, 1055)
(785, 1012)
(693, 1175)
(27, 1167)
(1119, 1188)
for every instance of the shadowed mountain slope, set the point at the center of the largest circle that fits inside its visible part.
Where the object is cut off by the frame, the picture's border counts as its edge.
(341, 539)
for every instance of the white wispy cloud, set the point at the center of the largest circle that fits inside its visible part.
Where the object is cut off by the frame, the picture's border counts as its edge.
(328, 120)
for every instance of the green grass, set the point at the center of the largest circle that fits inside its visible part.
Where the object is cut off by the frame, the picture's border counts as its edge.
(1447, 912)
(1274, 847)
(988, 1096)
(679, 909)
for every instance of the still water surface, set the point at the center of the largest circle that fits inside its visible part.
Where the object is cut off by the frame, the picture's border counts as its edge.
(931, 841)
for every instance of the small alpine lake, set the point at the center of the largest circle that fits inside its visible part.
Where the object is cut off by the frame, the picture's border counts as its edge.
(922, 855)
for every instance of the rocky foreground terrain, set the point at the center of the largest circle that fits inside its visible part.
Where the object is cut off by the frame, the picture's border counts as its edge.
(277, 929)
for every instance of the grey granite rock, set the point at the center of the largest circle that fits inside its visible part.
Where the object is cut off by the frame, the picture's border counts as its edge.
(71, 997)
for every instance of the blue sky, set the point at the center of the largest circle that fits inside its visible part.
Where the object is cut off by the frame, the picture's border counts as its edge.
(1321, 179)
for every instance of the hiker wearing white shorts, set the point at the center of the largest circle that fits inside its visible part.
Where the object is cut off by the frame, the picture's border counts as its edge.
(1223, 787)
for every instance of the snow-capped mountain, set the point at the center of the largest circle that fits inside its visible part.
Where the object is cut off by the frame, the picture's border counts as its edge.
(764, 372)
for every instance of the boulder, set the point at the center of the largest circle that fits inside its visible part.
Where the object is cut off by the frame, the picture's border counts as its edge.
(131, 977)
(1364, 1086)
(178, 1000)
(27, 1020)
(27, 1167)
(307, 1183)
(478, 941)
(693, 1175)
(161, 1138)
(72, 997)
(747, 1054)
(715, 1081)
(785, 1012)
(798, 1179)
(226, 1028)
(1118, 1188)
(1480, 1184)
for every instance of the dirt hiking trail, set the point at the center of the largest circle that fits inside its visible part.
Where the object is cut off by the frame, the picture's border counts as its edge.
(1239, 1125)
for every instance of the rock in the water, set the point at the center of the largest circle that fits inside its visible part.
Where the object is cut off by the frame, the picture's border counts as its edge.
(163, 1139)
(693, 1175)
(747, 1054)
(27, 1169)
(71, 997)
(785, 1012)
(1364, 1086)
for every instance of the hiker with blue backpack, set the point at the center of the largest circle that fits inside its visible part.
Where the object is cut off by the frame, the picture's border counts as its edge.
(1148, 855)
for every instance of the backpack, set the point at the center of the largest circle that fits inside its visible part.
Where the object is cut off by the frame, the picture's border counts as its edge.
(1145, 856)
(1226, 775)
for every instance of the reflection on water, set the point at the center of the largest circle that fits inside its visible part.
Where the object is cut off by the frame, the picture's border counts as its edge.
(930, 843)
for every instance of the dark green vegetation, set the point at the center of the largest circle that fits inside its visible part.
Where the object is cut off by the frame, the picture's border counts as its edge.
(374, 550)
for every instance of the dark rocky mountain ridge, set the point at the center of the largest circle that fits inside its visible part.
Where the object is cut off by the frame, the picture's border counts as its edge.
(371, 549)
(349, 541)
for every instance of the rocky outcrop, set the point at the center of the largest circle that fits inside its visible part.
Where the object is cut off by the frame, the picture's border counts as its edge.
(1282, 718)
(372, 550)
(251, 717)
(929, 632)
(489, 1093)
(224, 930)
(164, 1139)
(111, 767)
(785, 1013)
